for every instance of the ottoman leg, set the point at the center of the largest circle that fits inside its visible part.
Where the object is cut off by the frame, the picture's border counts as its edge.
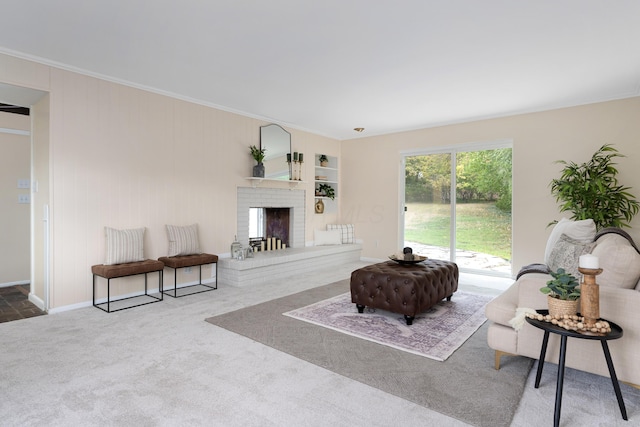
(360, 308)
(449, 297)
(409, 319)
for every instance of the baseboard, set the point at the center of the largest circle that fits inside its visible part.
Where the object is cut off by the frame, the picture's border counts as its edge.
(35, 300)
(18, 283)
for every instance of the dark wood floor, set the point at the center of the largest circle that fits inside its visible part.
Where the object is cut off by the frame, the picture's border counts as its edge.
(15, 304)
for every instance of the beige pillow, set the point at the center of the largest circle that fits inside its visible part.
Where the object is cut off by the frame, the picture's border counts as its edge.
(566, 254)
(346, 232)
(183, 240)
(619, 261)
(583, 230)
(327, 237)
(123, 246)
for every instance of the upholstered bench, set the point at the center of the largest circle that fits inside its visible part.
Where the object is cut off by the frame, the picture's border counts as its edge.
(183, 261)
(124, 270)
(407, 289)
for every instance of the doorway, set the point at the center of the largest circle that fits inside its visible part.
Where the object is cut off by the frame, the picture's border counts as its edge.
(34, 189)
(457, 206)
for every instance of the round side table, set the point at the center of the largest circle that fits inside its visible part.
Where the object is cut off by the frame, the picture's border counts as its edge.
(550, 328)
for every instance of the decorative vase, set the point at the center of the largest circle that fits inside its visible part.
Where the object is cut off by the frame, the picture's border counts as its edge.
(559, 307)
(319, 206)
(258, 170)
(324, 164)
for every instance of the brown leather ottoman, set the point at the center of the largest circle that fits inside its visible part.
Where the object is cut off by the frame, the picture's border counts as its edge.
(406, 289)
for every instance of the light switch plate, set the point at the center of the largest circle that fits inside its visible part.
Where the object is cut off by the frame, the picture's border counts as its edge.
(24, 198)
(24, 183)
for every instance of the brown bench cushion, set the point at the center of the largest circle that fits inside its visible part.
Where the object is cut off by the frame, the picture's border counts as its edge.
(188, 260)
(127, 269)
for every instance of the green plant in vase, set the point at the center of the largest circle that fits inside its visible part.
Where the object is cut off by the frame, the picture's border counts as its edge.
(323, 159)
(562, 294)
(327, 191)
(563, 286)
(258, 156)
(591, 191)
(257, 153)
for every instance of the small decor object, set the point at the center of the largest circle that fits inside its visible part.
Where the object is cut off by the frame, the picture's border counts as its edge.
(562, 293)
(591, 191)
(236, 248)
(324, 160)
(589, 290)
(319, 206)
(407, 257)
(258, 156)
(573, 323)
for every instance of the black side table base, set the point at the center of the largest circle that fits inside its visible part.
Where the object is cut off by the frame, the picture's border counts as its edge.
(547, 328)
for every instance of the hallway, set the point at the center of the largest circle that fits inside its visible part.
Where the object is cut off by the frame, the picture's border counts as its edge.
(15, 304)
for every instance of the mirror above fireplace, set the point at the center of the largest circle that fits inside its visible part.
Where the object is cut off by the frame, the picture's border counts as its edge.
(277, 144)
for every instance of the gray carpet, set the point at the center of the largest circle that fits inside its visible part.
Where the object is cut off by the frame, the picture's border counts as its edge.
(465, 387)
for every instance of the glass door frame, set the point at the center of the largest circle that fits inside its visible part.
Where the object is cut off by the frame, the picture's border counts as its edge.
(452, 150)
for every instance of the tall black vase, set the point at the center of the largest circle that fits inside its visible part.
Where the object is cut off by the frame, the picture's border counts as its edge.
(258, 170)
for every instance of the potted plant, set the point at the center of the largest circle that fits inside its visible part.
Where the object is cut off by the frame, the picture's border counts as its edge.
(591, 191)
(327, 191)
(258, 156)
(323, 159)
(562, 293)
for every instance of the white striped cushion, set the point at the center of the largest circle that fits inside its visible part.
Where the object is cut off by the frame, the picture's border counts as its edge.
(183, 240)
(347, 232)
(124, 245)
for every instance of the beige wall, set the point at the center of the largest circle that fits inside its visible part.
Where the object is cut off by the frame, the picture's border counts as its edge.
(123, 157)
(14, 227)
(371, 175)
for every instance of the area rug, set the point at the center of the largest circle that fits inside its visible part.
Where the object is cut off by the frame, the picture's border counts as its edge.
(435, 333)
(465, 386)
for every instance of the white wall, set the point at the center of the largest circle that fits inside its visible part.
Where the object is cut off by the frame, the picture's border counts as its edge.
(372, 172)
(14, 226)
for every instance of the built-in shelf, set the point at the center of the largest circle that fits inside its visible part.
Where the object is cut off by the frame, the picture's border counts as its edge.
(257, 181)
(328, 175)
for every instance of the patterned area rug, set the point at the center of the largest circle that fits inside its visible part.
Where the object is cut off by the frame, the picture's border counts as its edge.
(435, 333)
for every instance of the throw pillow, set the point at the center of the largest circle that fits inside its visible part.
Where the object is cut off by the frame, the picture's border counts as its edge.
(123, 246)
(327, 237)
(347, 233)
(583, 230)
(566, 254)
(183, 240)
(619, 261)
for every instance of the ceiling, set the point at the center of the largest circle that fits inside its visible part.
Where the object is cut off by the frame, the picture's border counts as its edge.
(330, 66)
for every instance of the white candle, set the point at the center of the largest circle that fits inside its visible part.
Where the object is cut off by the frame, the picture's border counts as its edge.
(268, 243)
(262, 246)
(279, 244)
(589, 261)
(284, 246)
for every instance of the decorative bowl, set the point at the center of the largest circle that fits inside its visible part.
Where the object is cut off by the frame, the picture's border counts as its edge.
(416, 259)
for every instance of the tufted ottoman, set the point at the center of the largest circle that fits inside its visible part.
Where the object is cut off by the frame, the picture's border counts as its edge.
(407, 289)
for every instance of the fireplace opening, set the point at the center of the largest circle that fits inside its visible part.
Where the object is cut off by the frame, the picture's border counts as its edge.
(269, 223)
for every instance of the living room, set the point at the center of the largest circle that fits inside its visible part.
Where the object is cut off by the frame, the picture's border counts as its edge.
(125, 158)
(112, 153)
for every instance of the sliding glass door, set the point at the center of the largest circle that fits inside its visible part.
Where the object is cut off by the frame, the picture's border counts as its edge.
(458, 207)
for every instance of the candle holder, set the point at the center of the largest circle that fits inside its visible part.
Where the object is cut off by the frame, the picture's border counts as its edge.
(290, 167)
(590, 296)
(300, 170)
